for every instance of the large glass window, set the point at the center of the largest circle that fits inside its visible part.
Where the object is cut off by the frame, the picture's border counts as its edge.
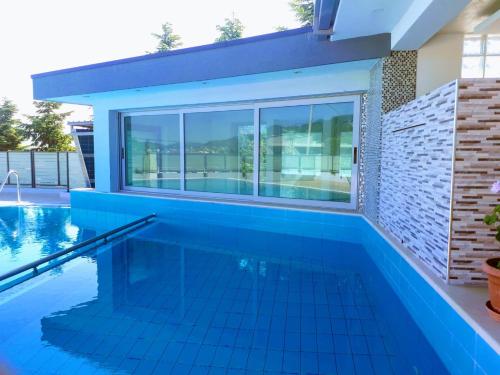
(152, 151)
(306, 152)
(219, 151)
(481, 56)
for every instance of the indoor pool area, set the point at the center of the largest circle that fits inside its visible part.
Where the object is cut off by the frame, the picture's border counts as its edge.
(173, 298)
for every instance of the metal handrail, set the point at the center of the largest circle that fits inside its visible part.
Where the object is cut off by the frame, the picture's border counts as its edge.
(14, 172)
(105, 236)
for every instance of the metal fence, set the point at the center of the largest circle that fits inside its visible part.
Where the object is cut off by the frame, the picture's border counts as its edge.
(45, 169)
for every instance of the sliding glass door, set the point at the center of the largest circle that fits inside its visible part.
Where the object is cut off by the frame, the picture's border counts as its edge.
(219, 151)
(296, 151)
(152, 149)
(306, 152)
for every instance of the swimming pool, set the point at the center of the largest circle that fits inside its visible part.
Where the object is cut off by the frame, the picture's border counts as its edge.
(29, 233)
(182, 298)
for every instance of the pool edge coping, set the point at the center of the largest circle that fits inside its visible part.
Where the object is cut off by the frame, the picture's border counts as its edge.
(440, 287)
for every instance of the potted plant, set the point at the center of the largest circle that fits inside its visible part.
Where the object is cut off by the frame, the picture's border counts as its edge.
(492, 265)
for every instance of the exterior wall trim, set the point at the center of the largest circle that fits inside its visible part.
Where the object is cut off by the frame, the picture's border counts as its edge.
(452, 188)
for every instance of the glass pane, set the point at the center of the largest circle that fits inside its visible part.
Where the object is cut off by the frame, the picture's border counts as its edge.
(219, 151)
(493, 45)
(152, 151)
(492, 68)
(306, 152)
(472, 67)
(472, 45)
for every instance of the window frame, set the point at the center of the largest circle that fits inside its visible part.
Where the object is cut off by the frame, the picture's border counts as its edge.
(255, 106)
(483, 53)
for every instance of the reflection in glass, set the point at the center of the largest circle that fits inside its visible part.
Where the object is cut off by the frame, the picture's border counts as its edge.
(472, 66)
(306, 152)
(492, 67)
(493, 45)
(152, 151)
(219, 151)
(473, 45)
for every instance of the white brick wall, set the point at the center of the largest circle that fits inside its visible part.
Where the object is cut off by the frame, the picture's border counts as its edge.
(415, 176)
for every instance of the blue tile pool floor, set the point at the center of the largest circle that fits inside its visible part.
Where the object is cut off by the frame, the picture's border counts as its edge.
(214, 300)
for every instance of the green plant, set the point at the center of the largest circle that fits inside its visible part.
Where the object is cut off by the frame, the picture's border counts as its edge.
(231, 29)
(167, 39)
(494, 219)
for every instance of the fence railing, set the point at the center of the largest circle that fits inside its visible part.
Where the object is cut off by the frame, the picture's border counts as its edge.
(153, 163)
(45, 169)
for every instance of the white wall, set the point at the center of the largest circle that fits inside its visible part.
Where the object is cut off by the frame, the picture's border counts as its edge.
(439, 62)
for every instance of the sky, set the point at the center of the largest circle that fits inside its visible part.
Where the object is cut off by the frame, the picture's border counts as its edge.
(38, 36)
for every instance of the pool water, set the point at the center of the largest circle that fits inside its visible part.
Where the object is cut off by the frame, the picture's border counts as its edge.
(209, 299)
(29, 233)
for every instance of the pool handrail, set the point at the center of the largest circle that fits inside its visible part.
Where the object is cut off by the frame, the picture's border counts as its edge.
(104, 236)
(15, 173)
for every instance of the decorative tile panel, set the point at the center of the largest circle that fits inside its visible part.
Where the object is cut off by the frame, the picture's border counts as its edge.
(477, 166)
(399, 79)
(362, 152)
(392, 84)
(415, 176)
(370, 144)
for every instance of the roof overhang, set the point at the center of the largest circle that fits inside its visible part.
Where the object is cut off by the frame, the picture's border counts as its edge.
(325, 13)
(286, 50)
(411, 23)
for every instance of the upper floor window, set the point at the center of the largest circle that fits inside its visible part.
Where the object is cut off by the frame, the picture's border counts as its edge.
(481, 56)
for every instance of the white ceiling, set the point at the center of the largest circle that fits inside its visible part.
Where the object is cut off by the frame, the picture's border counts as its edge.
(476, 12)
(410, 22)
(368, 17)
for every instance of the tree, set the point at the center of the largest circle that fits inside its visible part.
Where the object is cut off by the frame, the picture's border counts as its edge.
(281, 28)
(304, 11)
(167, 40)
(45, 130)
(10, 133)
(231, 29)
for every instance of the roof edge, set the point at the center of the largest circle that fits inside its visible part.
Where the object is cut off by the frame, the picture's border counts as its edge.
(181, 51)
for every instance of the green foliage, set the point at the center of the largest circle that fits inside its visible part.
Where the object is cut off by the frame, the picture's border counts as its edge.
(45, 130)
(494, 219)
(281, 28)
(167, 40)
(231, 29)
(10, 133)
(304, 11)
(246, 155)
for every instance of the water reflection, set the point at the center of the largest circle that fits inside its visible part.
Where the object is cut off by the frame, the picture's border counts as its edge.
(203, 298)
(154, 294)
(29, 233)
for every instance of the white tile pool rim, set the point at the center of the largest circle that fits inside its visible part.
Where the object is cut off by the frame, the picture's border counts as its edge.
(467, 301)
